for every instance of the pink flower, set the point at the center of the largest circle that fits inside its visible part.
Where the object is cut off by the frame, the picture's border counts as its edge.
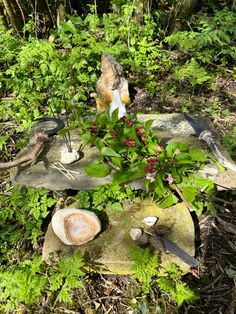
(129, 122)
(93, 128)
(151, 160)
(151, 176)
(170, 179)
(139, 130)
(129, 142)
(158, 150)
(149, 168)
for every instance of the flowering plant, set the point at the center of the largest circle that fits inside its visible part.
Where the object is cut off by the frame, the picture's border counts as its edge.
(133, 151)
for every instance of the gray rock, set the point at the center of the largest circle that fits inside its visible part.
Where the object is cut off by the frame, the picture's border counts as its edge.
(168, 127)
(109, 252)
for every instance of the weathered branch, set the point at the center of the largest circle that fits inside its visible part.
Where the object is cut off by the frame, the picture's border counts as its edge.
(31, 156)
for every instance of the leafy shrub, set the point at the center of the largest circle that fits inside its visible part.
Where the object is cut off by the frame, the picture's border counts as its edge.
(132, 151)
(209, 44)
(193, 73)
(229, 141)
(31, 280)
(22, 214)
(105, 195)
(44, 75)
(146, 270)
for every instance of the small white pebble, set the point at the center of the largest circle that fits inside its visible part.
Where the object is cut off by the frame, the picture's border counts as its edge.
(68, 157)
(150, 221)
(135, 233)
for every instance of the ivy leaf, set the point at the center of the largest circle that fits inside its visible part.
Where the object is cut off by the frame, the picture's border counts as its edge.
(197, 154)
(108, 151)
(97, 170)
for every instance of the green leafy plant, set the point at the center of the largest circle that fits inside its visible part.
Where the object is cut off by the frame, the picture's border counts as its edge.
(193, 73)
(146, 270)
(31, 280)
(175, 287)
(145, 267)
(111, 195)
(208, 45)
(229, 141)
(132, 151)
(22, 214)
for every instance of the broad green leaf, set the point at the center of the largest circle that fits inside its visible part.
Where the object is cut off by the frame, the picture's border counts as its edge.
(121, 176)
(168, 201)
(197, 154)
(138, 171)
(148, 125)
(175, 175)
(85, 138)
(108, 151)
(159, 185)
(189, 192)
(171, 148)
(114, 116)
(133, 156)
(211, 208)
(198, 206)
(97, 170)
(116, 161)
(204, 184)
(100, 119)
(182, 155)
(185, 162)
(151, 148)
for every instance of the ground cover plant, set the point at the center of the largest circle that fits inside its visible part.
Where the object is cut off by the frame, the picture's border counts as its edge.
(49, 70)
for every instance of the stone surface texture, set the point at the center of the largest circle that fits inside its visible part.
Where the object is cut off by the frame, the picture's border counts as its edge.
(109, 251)
(169, 127)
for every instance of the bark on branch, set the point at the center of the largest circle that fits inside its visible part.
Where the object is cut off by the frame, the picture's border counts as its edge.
(31, 156)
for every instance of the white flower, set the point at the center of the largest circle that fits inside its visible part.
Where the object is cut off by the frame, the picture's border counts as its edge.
(151, 176)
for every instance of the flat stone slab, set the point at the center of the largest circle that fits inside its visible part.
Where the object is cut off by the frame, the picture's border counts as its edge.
(168, 127)
(109, 251)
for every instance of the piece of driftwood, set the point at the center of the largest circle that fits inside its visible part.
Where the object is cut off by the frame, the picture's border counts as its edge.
(31, 156)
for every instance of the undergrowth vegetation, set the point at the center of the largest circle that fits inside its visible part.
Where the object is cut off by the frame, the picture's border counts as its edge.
(50, 76)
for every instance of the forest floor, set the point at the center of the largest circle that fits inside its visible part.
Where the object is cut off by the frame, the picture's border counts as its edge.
(215, 240)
